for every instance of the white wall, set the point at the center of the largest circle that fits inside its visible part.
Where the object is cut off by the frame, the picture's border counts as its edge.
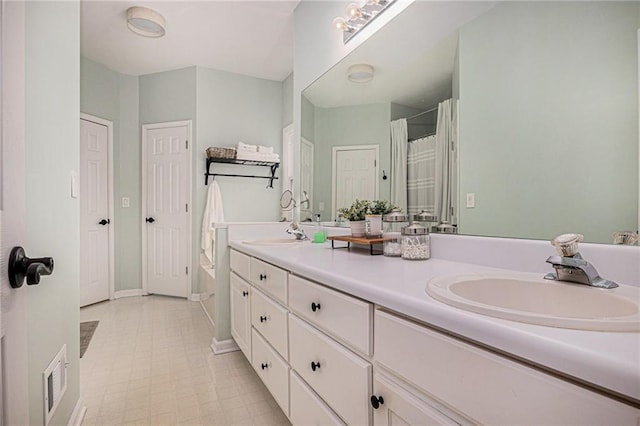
(52, 152)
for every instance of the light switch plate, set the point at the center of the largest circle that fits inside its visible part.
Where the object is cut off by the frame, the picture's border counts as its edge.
(125, 202)
(471, 200)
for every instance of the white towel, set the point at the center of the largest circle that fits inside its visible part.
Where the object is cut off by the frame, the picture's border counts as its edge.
(246, 147)
(265, 149)
(213, 213)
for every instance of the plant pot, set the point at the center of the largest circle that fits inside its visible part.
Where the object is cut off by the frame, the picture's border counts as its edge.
(373, 227)
(358, 228)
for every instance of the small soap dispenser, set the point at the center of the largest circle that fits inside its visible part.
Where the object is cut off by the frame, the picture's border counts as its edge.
(319, 235)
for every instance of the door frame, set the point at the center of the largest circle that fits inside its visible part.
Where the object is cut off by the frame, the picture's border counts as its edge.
(334, 157)
(110, 194)
(143, 201)
(309, 209)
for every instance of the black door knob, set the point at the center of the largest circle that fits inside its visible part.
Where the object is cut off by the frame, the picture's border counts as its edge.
(315, 365)
(150, 220)
(20, 266)
(245, 293)
(263, 277)
(315, 306)
(263, 319)
(104, 222)
(376, 401)
(264, 366)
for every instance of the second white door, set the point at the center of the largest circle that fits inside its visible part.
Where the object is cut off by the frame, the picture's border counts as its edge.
(94, 213)
(355, 171)
(167, 184)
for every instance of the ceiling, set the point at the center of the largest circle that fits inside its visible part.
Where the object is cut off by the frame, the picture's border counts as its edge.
(413, 56)
(253, 38)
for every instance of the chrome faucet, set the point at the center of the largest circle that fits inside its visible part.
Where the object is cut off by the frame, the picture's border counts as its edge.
(571, 267)
(296, 231)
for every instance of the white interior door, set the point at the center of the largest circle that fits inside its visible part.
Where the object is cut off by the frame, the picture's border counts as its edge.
(306, 179)
(95, 219)
(167, 218)
(355, 175)
(13, 331)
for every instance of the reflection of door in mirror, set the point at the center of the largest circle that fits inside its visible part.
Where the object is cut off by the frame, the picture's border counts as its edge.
(354, 172)
(287, 168)
(306, 179)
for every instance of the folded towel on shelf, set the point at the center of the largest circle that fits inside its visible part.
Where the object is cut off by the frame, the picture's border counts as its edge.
(246, 147)
(265, 149)
(258, 156)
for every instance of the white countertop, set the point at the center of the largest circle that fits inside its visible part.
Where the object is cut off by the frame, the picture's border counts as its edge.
(606, 359)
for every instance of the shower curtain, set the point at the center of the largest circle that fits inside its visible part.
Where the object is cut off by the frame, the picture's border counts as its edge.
(421, 172)
(446, 134)
(399, 138)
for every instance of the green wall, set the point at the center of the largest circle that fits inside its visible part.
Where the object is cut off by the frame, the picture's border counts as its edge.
(113, 96)
(52, 151)
(351, 125)
(287, 101)
(548, 118)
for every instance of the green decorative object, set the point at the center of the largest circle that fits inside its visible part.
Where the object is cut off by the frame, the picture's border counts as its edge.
(355, 212)
(381, 207)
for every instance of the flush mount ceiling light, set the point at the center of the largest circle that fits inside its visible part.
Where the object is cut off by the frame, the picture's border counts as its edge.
(358, 16)
(360, 73)
(145, 21)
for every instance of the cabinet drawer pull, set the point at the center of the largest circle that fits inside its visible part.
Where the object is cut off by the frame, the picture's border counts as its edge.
(263, 319)
(264, 366)
(263, 277)
(245, 293)
(376, 401)
(315, 365)
(315, 306)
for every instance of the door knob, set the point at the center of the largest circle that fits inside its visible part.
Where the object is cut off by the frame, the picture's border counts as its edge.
(20, 266)
(376, 401)
(150, 220)
(104, 222)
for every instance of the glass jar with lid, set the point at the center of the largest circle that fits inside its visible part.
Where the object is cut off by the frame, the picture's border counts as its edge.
(415, 242)
(392, 232)
(426, 219)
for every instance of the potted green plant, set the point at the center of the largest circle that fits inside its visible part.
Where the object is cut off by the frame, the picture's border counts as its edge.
(377, 209)
(355, 214)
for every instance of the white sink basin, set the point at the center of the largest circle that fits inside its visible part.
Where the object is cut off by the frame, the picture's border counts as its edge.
(531, 299)
(276, 242)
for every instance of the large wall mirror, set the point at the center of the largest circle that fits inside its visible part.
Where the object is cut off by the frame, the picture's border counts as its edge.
(546, 126)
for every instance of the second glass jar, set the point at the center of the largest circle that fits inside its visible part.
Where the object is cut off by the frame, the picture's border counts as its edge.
(416, 244)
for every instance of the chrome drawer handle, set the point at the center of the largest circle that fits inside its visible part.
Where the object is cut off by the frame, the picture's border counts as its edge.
(315, 365)
(376, 401)
(315, 306)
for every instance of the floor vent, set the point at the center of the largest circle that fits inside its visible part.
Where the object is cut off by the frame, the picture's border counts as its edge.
(55, 383)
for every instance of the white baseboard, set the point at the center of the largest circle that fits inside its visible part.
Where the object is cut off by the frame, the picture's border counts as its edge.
(78, 413)
(195, 297)
(224, 346)
(213, 324)
(127, 293)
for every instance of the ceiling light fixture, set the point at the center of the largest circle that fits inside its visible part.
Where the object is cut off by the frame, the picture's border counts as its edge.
(145, 21)
(360, 73)
(358, 16)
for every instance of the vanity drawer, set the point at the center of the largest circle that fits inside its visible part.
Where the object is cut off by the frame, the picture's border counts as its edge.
(272, 369)
(270, 319)
(306, 407)
(239, 263)
(269, 279)
(344, 317)
(340, 377)
(484, 386)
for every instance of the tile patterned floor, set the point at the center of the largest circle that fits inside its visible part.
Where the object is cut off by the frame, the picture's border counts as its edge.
(150, 363)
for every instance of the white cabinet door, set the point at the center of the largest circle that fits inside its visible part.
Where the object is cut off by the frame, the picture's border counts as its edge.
(272, 369)
(396, 406)
(339, 376)
(240, 314)
(270, 320)
(306, 407)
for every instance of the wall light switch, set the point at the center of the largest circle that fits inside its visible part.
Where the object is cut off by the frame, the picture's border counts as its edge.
(471, 200)
(125, 202)
(321, 206)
